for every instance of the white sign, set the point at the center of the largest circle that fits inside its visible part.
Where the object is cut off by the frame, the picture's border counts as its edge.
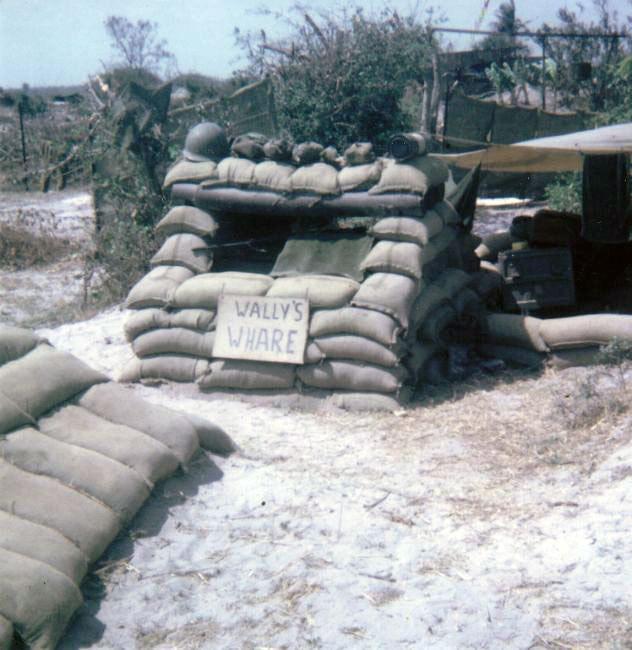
(262, 329)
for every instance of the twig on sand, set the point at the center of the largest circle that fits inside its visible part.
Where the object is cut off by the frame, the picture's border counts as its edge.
(370, 506)
(375, 576)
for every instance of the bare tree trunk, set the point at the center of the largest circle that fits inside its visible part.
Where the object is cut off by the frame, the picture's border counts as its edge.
(424, 122)
(436, 91)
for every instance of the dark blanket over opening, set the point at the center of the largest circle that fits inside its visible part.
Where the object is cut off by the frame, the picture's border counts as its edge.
(331, 253)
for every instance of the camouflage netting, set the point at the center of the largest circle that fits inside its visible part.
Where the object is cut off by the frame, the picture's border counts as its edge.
(78, 457)
(384, 259)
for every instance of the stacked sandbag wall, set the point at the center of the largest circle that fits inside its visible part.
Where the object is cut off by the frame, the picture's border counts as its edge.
(363, 334)
(372, 336)
(78, 457)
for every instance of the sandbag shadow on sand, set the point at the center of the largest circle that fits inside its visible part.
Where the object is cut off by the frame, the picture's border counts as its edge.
(85, 628)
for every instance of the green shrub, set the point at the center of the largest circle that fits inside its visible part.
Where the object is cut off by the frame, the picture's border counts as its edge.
(565, 194)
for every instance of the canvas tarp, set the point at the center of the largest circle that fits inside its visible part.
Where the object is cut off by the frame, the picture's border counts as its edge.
(554, 154)
(324, 253)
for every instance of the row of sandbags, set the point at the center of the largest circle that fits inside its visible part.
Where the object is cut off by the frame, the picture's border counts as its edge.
(172, 329)
(78, 457)
(381, 176)
(569, 341)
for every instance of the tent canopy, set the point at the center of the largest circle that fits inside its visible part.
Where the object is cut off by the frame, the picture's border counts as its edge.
(560, 153)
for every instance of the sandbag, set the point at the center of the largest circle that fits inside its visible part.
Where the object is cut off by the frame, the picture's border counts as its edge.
(187, 219)
(186, 170)
(389, 293)
(247, 375)
(184, 250)
(15, 342)
(434, 327)
(144, 454)
(317, 178)
(248, 145)
(203, 291)
(352, 375)
(211, 436)
(202, 320)
(354, 401)
(235, 171)
(585, 331)
(487, 281)
(144, 320)
(359, 153)
(359, 177)
(366, 323)
(493, 244)
(174, 367)
(322, 291)
(467, 243)
(516, 330)
(85, 522)
(429, 300)
(273, 176)
(278, 149)
(420, 363)
(468, 302)
(408, 229)
(357, 348)
(415, 176)
(110, 482)
(44, 544)
(395, 257)
(331, 156)
(39, 600)
(117, 404)
(305, 153)
(156, 289)
(176, 340)
(512, 355)
(12, 416)
(452, 281)
(572, 357)
(6, 633)
(273, 204)
(42, 379)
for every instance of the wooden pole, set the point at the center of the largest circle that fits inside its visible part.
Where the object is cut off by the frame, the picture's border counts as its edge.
(23, 142)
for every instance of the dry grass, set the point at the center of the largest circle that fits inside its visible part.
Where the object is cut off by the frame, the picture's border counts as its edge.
(21, 248)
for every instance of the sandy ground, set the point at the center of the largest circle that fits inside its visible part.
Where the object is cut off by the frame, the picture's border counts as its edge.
(472, 519)
(36, 295)
(339, 530)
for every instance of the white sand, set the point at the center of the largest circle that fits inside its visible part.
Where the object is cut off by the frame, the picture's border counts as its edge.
(337, 530)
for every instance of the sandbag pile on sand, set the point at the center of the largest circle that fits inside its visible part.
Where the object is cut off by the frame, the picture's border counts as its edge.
(78, 457)
(377, 292)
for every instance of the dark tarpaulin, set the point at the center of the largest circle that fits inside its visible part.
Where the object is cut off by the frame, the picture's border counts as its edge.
(606, 198)
(330, 253)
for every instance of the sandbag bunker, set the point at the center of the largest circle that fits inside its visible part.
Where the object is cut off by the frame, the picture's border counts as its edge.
(285, 268)
(79, 455)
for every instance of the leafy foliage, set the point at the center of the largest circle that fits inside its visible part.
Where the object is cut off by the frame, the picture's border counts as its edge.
(342, 79)
(596, 90)
(565, 194)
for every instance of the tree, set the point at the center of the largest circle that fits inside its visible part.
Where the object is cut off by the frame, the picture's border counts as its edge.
(138, 44)
(600, 56)
(505, 24)
(341, 79)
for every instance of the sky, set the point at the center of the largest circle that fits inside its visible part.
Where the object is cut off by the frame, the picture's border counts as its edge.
(62, 42)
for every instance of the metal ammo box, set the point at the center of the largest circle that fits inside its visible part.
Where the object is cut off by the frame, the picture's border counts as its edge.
(537, 277)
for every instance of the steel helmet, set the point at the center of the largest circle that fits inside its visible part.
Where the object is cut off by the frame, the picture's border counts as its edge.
(205, 141)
